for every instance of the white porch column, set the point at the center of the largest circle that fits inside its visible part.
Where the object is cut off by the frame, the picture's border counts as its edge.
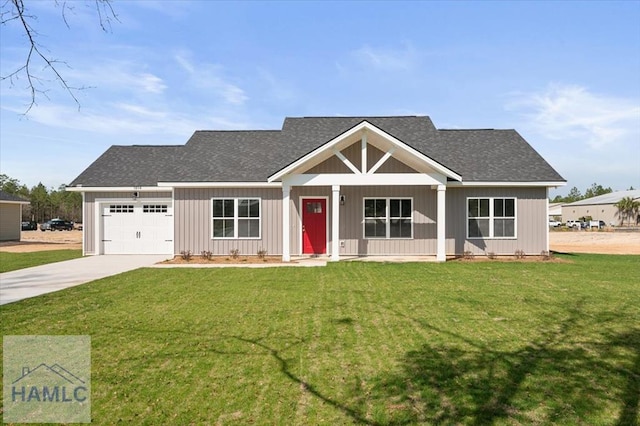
(441, 251)
(335, 223)
(286, 225)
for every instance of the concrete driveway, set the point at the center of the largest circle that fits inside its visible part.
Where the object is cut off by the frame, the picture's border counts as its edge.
(31, 282)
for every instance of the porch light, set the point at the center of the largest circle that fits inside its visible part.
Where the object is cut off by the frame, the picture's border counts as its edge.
(342, 199)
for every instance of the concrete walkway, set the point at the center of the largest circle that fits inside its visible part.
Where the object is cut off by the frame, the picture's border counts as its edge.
(31, 282)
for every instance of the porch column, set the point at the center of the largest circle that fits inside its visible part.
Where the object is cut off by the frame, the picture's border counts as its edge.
(441, 251)
(335, 223)
(286, 226)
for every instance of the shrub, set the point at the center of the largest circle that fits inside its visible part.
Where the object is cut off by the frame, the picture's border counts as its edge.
(234, 253)
(546, 255)
(491, 255)
(468, 255)
(262, 253)
(206, 254)
(186, 255)
(520, 254)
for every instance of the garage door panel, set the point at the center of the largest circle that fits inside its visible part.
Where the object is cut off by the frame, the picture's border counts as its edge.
(137, 228)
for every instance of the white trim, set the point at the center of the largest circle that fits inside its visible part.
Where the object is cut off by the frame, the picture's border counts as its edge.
(382, 179)
(286, 223)
(364, 125)
(115, 189)
(492, 183)
(387, 218)
(220, 184)
(335, 223)
(84, 224)
(15, 202)
(382, 160)
(326, 225)
(363, 151)
(236, 218)
(546, 219)
(441, 242)
(346, 162)
(492, 217)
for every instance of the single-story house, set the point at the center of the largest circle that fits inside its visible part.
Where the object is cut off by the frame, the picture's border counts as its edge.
(332, 186)
(11, 216)
(601, 207)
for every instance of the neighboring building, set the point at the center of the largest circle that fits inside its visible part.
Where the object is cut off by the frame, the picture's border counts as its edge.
(11, 216)
(599, 208)
(322, 185)
(555, 211)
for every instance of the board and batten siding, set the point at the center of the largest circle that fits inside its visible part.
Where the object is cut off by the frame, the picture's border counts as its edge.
(89, 213)
(531, 221)
(10, 221)
(193, 221)
(351, 220)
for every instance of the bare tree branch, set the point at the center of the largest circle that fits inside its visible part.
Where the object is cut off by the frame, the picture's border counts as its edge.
(14, 10)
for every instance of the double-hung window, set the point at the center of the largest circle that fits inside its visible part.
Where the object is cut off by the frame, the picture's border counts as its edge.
(491, 217)
(388, 218)
(236, 218)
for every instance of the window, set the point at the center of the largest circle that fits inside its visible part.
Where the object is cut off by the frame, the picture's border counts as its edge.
(154, 208)
(491, 217)
(236, 217)
(388, 218)
(121, 208)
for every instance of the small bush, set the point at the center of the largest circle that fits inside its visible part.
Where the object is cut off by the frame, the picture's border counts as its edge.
(520, 254)
(262, 253)
(234, 253)
(468, 255)
(545, 254)
(186, 255)
(492, 255)
(206, 254)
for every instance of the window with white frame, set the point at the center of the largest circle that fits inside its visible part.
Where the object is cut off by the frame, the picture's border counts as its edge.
(236, 218)
(388, 218)
(491, 217)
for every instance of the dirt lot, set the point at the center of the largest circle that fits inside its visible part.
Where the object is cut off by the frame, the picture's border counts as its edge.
(39, 241)
(560, 241)
(595, 242)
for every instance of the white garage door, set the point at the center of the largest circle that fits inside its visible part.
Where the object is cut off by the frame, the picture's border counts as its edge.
(137, 228)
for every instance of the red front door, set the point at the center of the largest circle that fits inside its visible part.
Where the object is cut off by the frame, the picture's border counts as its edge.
(314, 226)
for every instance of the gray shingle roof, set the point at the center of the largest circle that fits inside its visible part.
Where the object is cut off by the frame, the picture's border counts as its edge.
(254, 155)
(5, 196)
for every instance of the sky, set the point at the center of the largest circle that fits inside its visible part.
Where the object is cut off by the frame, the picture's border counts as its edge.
(565, 75)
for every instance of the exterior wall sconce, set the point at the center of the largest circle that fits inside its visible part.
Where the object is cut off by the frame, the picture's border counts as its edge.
(136, 194)
(342, 200)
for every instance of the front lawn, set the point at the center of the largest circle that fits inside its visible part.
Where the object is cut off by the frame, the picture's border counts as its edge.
(15, 261)
(454, 343)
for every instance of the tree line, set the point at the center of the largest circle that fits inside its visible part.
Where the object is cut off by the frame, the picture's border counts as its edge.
(575, 195)
(46, 203)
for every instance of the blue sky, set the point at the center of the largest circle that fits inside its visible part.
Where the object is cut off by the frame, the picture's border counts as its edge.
(566, 75)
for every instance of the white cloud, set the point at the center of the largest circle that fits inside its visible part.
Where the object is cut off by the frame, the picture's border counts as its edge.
(571, 112)
(207, 76)
(387, 59)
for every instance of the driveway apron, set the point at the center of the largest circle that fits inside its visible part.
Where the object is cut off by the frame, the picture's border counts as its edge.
(31, 282)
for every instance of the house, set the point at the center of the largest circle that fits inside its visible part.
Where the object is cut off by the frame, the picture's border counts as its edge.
(11, 216)
(331, 186)
(601, 207)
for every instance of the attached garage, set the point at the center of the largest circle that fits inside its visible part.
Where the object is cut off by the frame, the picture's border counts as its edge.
(136, 227)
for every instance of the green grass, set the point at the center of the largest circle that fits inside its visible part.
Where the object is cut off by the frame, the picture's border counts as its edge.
(455, 343)
(15, 261)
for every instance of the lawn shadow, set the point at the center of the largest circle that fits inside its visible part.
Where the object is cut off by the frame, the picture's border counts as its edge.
(546, 381)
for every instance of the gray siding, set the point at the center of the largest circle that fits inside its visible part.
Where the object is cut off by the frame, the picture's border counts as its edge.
(354, 155)
(10, 222)
(89, 213)
(531, 221)
(351, 220)
(193, 221)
